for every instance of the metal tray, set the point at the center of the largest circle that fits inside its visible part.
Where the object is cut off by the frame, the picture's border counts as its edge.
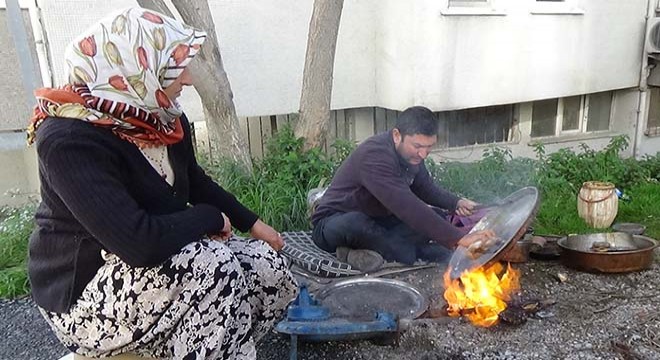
(508, 221)
(360, 298)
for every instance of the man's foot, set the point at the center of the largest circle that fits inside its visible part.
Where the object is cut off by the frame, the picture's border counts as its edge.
(342, 253)
(361, 259)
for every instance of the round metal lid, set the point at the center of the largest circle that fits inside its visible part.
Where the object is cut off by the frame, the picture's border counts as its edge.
(360, 298)
(506, 220)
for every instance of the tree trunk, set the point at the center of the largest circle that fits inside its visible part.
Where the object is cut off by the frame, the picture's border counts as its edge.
(317, 76)
(211, 82)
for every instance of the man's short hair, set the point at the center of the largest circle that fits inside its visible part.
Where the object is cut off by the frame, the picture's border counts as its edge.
(417, 120)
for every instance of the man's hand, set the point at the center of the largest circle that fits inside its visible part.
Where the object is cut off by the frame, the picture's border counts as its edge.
(465, 207)
(483, 236)
(266, 233)
(226, 232)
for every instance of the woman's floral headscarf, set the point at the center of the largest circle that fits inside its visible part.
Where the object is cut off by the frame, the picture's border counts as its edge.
(118, 69)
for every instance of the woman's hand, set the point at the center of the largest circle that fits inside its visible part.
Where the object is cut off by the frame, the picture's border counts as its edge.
(465, 207)
(226, 232)
(266, 233)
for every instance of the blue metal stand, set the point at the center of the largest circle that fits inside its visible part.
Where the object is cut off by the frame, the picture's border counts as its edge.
(309, 320)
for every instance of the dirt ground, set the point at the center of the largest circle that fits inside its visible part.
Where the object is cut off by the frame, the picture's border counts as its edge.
(596, 316)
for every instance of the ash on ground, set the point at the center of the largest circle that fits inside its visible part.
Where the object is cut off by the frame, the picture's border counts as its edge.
(593, 316)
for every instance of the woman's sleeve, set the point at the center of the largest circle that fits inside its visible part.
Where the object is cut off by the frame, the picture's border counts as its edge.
(203, 189)
(85, 176)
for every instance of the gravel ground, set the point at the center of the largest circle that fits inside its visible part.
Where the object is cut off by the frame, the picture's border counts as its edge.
(25, 334)
(594, 317)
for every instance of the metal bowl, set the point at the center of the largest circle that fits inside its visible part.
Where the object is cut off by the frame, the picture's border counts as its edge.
(630, 228)
(508, 220)
(607, 252)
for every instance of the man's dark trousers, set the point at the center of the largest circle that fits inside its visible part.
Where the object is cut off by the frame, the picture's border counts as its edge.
(389, 236)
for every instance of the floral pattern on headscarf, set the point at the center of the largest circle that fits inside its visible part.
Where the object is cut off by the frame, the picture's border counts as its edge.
(118, 69)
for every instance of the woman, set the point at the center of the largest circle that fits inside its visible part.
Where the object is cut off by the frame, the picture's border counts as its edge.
(122, 259)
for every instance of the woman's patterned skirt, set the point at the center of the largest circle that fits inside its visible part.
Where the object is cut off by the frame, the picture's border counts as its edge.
(212, 300)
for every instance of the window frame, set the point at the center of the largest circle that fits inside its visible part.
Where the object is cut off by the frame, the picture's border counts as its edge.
(467, 3)
(471, 8)
(652, 131)
(583, 117)
(509, 137)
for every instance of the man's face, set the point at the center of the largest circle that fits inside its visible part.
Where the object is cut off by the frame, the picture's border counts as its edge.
(413, 148)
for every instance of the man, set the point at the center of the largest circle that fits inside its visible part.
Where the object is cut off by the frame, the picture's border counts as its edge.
(379, 203)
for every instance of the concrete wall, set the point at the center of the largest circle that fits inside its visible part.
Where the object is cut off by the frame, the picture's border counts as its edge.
(470, 61)
(394, 54)
(13, 100)
(18, 179)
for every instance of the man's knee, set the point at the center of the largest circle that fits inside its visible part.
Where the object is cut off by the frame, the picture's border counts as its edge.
(348, 222)
(341, 230)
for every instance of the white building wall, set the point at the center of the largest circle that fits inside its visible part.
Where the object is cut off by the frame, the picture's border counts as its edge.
(395, 54)
(453, 62)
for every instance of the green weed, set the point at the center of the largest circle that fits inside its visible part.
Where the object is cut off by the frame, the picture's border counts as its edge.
(15, 228)
(559, 177)
(277, 188)
(643, 207)
(496, 175)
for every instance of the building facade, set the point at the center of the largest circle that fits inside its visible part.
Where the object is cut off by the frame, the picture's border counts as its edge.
(506, 72)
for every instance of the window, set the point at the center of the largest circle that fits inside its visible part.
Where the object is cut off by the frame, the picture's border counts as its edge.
(482, 125)
(544, 114)
(599, 108)
(653, 122)
(574, 114)
(571, 113)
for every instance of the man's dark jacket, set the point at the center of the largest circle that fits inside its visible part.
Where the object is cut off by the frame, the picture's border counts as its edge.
(376, 181)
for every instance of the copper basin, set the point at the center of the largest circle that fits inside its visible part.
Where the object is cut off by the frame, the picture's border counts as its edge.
(621, 252)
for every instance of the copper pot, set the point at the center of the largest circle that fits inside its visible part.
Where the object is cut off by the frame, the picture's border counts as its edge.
(607, 252)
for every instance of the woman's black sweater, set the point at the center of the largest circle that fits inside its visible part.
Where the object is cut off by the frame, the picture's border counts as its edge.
(99, 192)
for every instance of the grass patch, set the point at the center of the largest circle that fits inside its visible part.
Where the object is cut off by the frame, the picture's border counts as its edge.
(277, 188)
(643, 208)
(15, 228)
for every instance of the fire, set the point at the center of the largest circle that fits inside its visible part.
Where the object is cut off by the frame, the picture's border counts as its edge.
(481, 294)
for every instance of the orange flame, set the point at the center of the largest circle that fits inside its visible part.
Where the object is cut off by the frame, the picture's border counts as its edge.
(481, 294)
